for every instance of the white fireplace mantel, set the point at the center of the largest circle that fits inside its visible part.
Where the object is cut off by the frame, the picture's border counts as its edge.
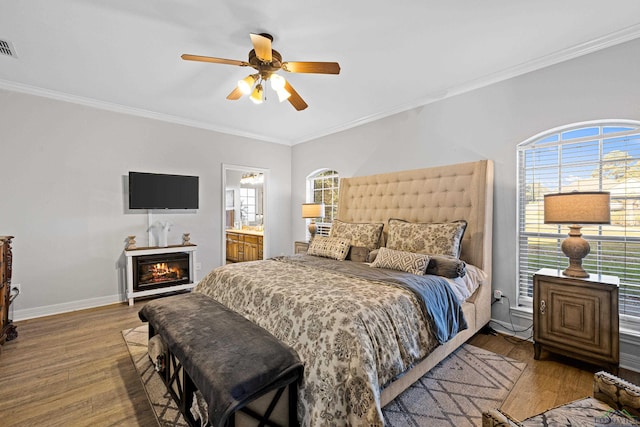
(155, 250)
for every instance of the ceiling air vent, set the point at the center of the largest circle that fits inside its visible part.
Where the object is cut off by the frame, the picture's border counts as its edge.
(6, 48)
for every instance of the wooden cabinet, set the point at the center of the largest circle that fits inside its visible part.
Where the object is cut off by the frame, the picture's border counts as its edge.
(577, 317)
(7, 330)
(300, 247)
(252, 247)
(243, 247)
(233, 247)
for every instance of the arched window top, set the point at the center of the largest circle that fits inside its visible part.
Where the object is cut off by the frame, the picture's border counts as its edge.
(579, 131)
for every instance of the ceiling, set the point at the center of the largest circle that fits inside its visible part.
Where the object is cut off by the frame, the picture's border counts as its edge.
(124, 55)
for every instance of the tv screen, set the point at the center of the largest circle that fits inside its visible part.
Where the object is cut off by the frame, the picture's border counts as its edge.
(160, 191)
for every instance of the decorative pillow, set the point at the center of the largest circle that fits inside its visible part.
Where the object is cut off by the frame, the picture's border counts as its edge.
(446, 266)
(329, 247)
(358, 254)
(360, 234)
(426, 238)
(403, 261)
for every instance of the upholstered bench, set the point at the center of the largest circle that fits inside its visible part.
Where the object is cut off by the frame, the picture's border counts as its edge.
(615, 402)
(228, 360)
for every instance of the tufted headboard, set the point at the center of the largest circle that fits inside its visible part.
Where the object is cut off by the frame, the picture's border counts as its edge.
(437, 194)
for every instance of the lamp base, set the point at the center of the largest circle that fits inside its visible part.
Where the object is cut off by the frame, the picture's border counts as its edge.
(575, 248)
(313, 228)
(575, 272)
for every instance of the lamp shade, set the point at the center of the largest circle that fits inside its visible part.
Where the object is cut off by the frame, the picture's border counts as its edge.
(313, 210)
(256, 96)
(245, 85)
(588, 207)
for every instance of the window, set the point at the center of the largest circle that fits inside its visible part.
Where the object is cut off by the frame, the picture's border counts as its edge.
(322, 187)
(598, 156)
(247, 205)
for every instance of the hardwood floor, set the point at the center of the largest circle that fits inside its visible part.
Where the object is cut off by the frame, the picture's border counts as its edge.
(74, 369)
(551, 381)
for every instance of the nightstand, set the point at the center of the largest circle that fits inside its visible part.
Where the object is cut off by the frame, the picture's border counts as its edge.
(300, 247)
(577, 317)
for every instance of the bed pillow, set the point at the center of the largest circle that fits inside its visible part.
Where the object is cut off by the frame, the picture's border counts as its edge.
(474, 278)
(402, 261)
(360, 234)
(358, 254)
(446, 266)
(465, 286)
(426, 238)
(329, 247)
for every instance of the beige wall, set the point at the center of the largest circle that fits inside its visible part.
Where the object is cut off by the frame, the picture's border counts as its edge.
(63, 195)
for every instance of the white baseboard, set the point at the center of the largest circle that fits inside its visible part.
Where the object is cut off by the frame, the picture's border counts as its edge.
(48, 310)
(627, 360)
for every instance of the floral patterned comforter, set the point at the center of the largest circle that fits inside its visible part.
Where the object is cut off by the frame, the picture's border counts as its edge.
(354, 335)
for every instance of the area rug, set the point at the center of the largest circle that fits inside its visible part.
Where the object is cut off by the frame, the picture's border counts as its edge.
(453, 393)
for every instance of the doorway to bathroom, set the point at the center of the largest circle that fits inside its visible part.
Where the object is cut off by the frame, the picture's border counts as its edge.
(244, 218)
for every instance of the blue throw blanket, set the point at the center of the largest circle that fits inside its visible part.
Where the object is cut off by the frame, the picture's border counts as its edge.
(439, 303)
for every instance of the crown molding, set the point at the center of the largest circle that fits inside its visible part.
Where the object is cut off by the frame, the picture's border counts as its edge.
(609, 40)
(118, 108)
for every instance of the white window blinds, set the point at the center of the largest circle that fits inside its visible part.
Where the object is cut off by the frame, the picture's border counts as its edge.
(323, 187)
(594, 157)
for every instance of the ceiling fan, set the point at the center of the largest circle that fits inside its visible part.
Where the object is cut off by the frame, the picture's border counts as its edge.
(267, 62)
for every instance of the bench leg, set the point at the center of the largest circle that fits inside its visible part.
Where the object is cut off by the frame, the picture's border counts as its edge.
(293, 404)
(181, 387)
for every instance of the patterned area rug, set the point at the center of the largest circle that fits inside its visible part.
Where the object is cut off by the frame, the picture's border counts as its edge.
(453, 393)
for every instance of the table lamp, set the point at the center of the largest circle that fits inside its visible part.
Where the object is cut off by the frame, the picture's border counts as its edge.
(588, 207)
(313, 211)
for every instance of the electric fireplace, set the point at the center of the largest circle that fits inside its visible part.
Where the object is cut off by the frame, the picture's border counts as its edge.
(159, 271)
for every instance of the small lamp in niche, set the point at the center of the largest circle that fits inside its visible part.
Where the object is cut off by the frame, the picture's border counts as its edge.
(312, 211)
(588, 207)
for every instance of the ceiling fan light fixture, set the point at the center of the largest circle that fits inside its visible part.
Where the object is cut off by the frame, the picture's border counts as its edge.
(245, 85)
(277, 82)
(283, 94)
(267, 62)
(256, 96)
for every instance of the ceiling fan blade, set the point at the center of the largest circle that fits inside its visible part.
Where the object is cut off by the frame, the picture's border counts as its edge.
(262, 46)
(311, 67)
(188, 57)
(235, 94)
(295, 99)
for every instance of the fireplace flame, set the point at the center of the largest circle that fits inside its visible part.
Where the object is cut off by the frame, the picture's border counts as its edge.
(163, 271)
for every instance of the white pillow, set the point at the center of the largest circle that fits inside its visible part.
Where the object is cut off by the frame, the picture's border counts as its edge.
(465, 286)
(459, 288)
(474, 278)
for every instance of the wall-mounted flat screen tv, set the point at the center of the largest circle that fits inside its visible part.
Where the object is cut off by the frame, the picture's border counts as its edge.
(161, 191)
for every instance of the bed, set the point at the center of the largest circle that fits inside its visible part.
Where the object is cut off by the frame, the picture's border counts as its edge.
(363, 333)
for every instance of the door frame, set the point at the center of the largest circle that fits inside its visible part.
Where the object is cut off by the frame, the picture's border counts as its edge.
(265, 204)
